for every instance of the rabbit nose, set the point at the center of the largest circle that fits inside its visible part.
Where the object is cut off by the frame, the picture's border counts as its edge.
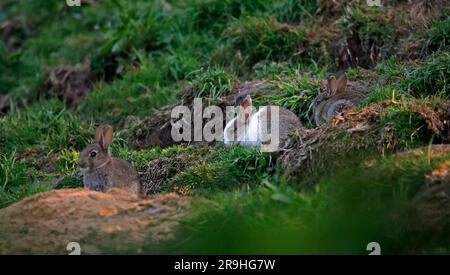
(83, 164)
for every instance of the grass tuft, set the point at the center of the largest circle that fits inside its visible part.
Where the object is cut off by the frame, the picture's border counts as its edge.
(259, 39)
(212, 82)
(439, 36)
(431, 78)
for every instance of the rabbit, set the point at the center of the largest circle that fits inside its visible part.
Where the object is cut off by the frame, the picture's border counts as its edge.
(101, 172)
(335, 100)
(255, 130)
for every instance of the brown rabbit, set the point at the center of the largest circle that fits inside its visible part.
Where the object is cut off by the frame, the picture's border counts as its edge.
(100, 171)
(335, 100)
(255, 129)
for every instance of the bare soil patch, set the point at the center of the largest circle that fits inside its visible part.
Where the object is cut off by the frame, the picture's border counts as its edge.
(47, 222)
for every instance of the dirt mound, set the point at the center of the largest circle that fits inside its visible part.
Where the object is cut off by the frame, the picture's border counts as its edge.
(251, 88)
(358, 47)
(156, 130)
(433, 150)
(159, 170)
(47, 222)
(440, 175)
(423, 10)
(69, 84)
(356, 131)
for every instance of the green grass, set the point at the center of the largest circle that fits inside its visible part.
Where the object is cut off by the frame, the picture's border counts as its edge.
(47, 127)
(9, 65)
(370, 23)
(143, 54)
(140, 159)
(340, 217)
(17, 181)
(298, 11)
(431, 78)
(60, 36)
(392, 69)
(12, 173)
(138, 26)
(258, 39)
(136, 94)
(224, 169)
(439, 36)
(410, 128)
(212, 82)
(29, 139)
(214, 15)
(382, 93)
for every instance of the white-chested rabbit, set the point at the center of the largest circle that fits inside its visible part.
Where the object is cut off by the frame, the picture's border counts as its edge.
(268, 128)
(335, 100)
(102, 172)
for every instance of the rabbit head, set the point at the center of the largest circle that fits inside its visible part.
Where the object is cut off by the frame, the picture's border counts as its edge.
(333, 87)
(335, 98)
(245, 103)
(235, 129)
(336, 86)
(97, 154)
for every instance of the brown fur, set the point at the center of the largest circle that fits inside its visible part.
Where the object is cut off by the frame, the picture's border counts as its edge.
(101, 172)
(288, 121)
(335, 100)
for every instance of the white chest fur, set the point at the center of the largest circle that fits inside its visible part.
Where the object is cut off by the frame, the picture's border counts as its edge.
(251, 133)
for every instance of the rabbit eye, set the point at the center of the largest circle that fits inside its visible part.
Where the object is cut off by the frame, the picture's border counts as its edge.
(93, 154)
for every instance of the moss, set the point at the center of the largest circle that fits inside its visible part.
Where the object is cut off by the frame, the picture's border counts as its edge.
(410, 128)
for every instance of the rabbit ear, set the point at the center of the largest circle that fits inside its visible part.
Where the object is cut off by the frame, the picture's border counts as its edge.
(247, 106)
(342, 84)
(332, 86)
(247, 102)
(99, 134)
(107, 136)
